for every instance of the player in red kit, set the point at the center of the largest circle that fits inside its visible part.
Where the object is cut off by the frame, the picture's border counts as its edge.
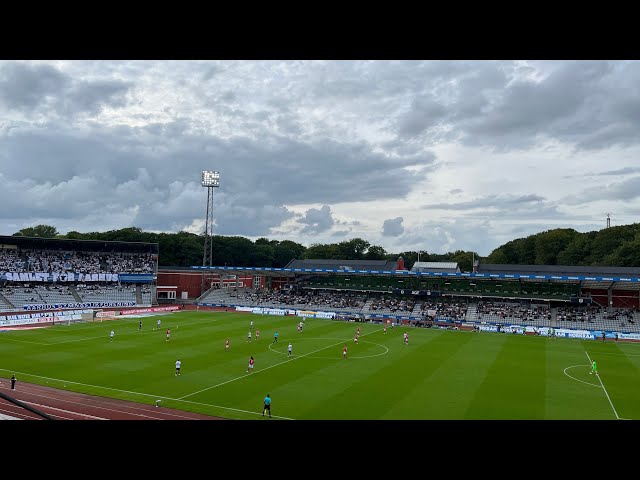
(250, 367)
(226, 345)
(406, 338)
(168, 334)
(344, 351)
(257, 334)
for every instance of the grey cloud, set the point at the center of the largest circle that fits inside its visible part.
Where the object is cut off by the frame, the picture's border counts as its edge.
(341, 233)
(618, 172)
(285, 173)
(302, 173)
(281, 139)
(212, 72)
(392, 227)
(589, 104)
(424, 113)
(626, 190)
(46, 89)
(526, 212)
(623, 134)
(252, 220)
(25, 86)
(435, 237)
(528, 208)
(621, 171)
(531, 106)
(90, 97)
(228, 97)
(488, 201)
(576, 103)
(317, 220)
(481, 235)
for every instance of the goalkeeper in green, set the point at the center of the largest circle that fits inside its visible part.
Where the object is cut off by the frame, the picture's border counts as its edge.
(594, 368)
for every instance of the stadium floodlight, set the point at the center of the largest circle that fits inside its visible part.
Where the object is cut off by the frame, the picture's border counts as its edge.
(210, 179)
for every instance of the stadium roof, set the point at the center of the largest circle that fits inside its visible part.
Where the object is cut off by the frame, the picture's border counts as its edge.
(558, 269)
(344, 264)
(435, 267)
(622, 280)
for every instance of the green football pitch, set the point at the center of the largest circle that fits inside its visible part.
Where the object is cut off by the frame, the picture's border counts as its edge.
(439, 375)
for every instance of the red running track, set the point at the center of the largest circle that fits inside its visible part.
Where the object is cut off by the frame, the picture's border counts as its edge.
(66, 405)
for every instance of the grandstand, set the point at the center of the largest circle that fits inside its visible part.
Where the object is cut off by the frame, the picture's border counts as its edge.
(48, 273)
(571, 297)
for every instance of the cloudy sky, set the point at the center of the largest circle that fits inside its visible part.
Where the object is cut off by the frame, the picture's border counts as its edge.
(409, 155)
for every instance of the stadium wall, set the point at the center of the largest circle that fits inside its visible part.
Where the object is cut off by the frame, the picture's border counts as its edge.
(191, 282)
(620, 298)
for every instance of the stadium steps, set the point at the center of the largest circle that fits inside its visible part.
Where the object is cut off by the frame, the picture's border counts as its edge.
(6, 300)
(204, 295)
(74, 292)
(365, 308)
(472, 315)
(138, 295)
(554, 316)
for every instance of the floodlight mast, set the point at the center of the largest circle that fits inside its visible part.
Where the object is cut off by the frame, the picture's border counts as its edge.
(210, 180)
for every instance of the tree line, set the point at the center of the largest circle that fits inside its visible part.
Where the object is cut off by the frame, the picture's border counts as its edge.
(615, 246)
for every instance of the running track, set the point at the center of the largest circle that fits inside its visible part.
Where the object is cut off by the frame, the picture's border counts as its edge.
(66, 405)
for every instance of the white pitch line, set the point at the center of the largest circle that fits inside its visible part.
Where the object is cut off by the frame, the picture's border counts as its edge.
(272, 366)
(577, 379)
(2, 337)
(157, 397)
(137, 332)
(235, 409)
(605, 390)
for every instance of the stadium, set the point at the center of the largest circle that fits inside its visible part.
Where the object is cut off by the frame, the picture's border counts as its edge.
(472, 335)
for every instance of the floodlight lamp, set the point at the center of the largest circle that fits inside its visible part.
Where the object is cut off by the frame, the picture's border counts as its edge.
(210, 179)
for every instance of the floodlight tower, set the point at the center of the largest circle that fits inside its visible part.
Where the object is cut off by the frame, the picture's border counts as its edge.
(210, 180)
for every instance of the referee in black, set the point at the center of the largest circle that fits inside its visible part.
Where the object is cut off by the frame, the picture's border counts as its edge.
(13, 382)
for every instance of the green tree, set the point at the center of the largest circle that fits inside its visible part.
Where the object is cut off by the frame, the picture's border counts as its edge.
(262, 255)
(73, 235)
(578, 251)
(463, 259)
(353, 249)
(43, 231)
(497, 256)
(608, 240)
(551, 243)
(626, 255)
(526, 250)
(323, 251)
(286, 251)
(375, 252)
